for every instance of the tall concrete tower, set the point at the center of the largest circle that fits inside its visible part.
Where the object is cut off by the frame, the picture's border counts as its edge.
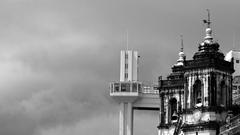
(126, 91)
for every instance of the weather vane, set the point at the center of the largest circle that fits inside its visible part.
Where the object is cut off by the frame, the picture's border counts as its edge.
(181, 43)
(208, 22)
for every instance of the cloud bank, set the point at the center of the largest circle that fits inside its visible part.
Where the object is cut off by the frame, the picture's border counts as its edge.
(57, 58)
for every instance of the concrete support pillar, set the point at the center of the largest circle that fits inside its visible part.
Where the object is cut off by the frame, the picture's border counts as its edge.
(160, 109)
(129, 119)
(126, 119)
(122, 119)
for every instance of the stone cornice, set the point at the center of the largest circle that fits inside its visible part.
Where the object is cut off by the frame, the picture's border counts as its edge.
(217, 109)
(210, 125)
(209, 62)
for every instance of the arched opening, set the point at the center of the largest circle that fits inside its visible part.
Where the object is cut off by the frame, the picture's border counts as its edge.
(213, 93)
(197, 93)
(223, 94)
(173, 109)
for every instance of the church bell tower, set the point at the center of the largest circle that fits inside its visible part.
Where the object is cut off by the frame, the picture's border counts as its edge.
(207, 88)
(196, 97)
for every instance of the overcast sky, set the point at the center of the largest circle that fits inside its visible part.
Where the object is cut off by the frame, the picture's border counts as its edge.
(57, 57)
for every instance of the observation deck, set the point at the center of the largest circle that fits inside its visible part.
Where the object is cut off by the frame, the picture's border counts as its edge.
(125, 91)
(144, 97)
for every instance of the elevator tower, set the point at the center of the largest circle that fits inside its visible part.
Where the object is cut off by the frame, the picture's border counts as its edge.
(126, 91)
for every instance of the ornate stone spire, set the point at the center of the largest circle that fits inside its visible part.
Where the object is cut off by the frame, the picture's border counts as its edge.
(209, 47)
(208, 38)
(181, 55)
(208, 43)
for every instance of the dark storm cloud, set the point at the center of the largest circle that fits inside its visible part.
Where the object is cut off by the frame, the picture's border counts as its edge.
(57, 57)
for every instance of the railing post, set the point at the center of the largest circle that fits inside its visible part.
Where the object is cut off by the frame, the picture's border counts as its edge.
(120, 87)
(131, 87)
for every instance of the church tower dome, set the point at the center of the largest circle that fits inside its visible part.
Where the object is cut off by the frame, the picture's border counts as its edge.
(208, 48)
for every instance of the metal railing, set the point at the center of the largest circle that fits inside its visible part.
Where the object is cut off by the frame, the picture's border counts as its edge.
(149, 89)
(234, 123)
(125, 87)
(178, 126)
(132, 87)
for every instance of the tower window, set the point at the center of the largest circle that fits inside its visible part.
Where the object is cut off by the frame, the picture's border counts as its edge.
(197, 93)
(234, 87)
(237, 61)
(223, 91)
(126, 66)
(173, 108)
(126, 75)
(126, 56)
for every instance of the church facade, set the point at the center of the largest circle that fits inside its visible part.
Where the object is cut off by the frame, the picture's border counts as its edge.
(196, 98)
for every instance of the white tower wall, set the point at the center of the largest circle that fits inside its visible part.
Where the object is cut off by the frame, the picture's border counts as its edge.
(236, 57)
(128, 66)
(122, 66)
(135, 66)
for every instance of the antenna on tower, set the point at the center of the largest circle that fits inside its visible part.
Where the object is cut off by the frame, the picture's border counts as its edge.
(127, 39)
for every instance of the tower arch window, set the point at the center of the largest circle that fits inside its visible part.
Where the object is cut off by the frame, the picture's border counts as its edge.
(223, 94)
(197, 93)
(173, 109)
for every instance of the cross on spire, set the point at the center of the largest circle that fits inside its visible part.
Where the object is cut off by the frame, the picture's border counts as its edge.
(181, 43)
(208, 21)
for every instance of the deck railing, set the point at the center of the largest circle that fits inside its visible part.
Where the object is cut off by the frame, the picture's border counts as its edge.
(132, 87)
